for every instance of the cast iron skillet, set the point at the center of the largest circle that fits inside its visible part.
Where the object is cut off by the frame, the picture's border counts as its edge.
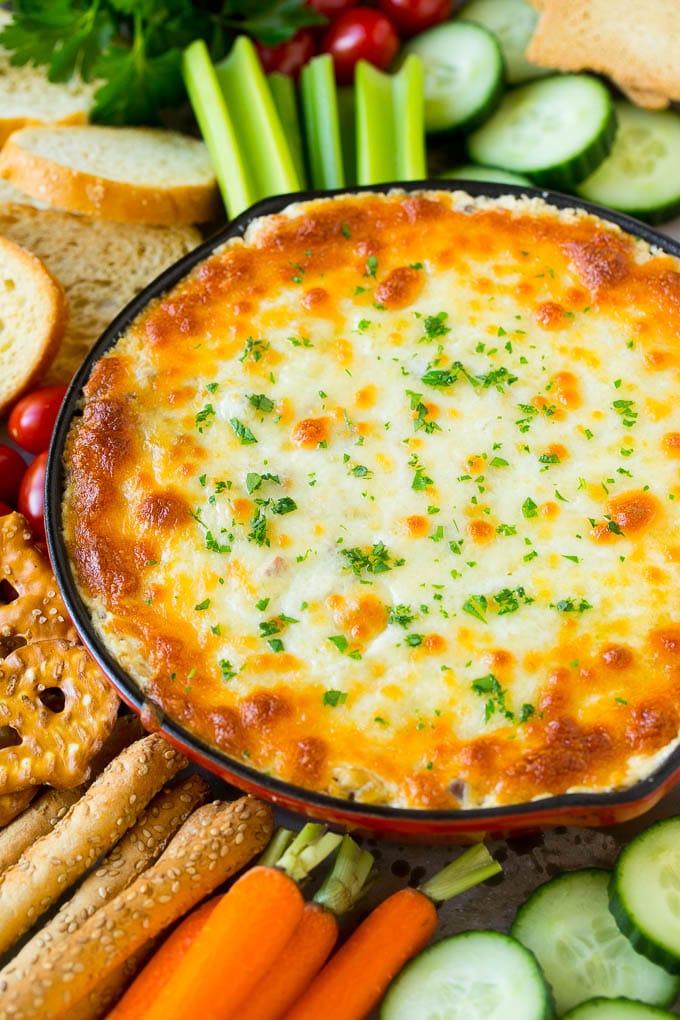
(386, 822)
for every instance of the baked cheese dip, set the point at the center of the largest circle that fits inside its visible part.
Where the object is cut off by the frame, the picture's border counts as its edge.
(382, 500)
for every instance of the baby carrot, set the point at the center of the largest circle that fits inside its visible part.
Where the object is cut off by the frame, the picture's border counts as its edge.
(355, 979)
(302, 957)
(235, 948)
(157, 972)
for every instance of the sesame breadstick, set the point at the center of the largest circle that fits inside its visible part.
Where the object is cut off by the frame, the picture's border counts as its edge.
(217, 841)
(90, 828)
(12, 804)
(139, 847)
(52, 805)
(100, 1001)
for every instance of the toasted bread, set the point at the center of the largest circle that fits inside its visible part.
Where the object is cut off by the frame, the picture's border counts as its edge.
(136, 175)
(32, 320)
(101, 266)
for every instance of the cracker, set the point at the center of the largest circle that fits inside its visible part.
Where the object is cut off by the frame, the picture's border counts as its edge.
(31, 607)
(216, 842)
(60, 707)
(138, 848)
(633, 43)
(30, 823)
(90, 828)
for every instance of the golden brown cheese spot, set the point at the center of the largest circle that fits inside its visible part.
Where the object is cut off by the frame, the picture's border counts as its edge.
(498, 660)
(416, 526)
(481, 531)
(565, 390)
(550, 315)
(550, 509)
(602, 261)
(227, 731)
(315, 298)
(399, 288)
(558, 450)
(366, 396)
(666, 643)
(312, 431)
(474, 464)
(434, 644)
(617, 657)
(657, 360)
(632, 511)
(361, 618)
(651, 725)
(670, 444)
(164, 511)
(242, 508)
(309, 757)
(263, 709)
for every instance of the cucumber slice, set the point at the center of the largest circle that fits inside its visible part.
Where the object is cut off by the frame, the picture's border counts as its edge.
(557, 130)
(469, 976)
(645, 893)
(513, 23)
(640, 174)
(616, 1009)
(568, 925)
(318, 92)
(471, 172)
(463, 74)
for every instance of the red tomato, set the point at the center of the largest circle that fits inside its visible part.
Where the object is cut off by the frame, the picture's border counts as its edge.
(31, 501)
(331, 8)
(32, 418)
(12, 468)
(288, 57)
(5, 508)
(413, 16)
(360, 34)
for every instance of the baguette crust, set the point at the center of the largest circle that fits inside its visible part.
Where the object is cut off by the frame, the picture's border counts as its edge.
(34, 315)
(8, 125)
(73, 190)
(216, 842)
(92, 826)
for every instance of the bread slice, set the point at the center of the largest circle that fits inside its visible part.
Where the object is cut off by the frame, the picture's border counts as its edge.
(8, 193)
(634, 43)
(27, 97)
(137, 175)
(101, 266)
(32, 320)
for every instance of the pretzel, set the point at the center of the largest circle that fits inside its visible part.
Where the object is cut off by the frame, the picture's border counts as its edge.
(56, 710)
(12, 804)
(31, 607)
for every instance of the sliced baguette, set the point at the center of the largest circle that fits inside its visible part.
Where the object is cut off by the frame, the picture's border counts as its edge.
(101, 266)
(136, 175)
(32, 320)
(27, 97)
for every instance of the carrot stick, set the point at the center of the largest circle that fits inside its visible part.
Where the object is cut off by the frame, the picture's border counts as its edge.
(149, 982)
(238, 944)
(356, 977)
(302, 958)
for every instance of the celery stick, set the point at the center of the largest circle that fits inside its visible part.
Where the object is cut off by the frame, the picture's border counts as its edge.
(390, 123)
(322, 128)
(348, 132)
(285, 100)
(217, 128)
(259, 131)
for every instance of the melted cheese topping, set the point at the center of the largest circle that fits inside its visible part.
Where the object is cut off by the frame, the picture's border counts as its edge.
(383, 500)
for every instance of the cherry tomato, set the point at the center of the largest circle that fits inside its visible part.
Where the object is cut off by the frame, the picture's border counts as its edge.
(288, 57)
(5, 508)
(331, 8)
(412, 16)
(32, 418)
(360, 34)
(31, 501)
(12, 468)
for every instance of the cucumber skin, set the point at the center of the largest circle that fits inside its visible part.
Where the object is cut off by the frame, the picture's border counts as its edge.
(586, 1008)
(642, 943)
(566, 175)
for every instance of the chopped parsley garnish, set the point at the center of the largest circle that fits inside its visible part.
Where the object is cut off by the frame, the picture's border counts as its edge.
(334, 698)
(626, 409)
(476, 605)
(420, 479)
(212, 545)
(228, 671)
(401, 614)
(340, 642)
(242, 431)
(377, 560)
(254, 349)
(443, 377)
(413, 640)
(371, 266)
(498, 378)
(529, 508)
(286, 505)
(488, 687)
(435, 326)
(421, 420)
(205, 418)
(261, 402)
(571, 605)
(202, 605)
(255, 480)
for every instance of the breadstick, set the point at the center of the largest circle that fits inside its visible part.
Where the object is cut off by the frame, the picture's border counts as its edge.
(139, 847)
(99, 1002)
(12, 804)
(90, 828)
(216, 842)
(52, 805)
